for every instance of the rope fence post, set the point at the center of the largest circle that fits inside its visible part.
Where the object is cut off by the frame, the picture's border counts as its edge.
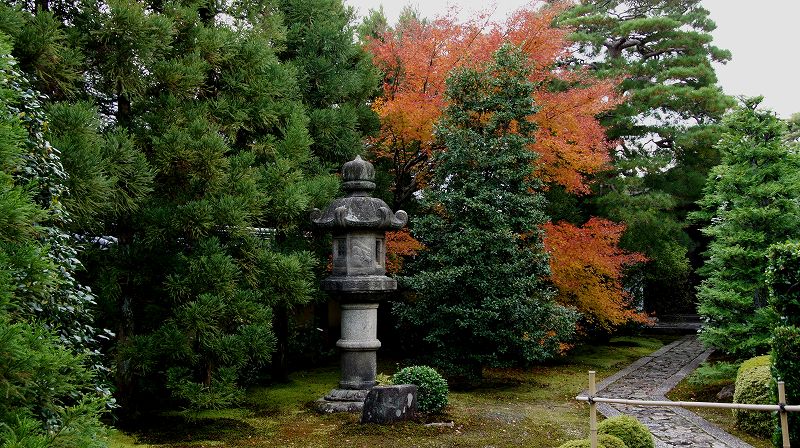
(784, 417)
(592, 410)
(782, 408)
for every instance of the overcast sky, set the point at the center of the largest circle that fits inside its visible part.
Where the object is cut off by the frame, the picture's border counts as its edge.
(764, 37)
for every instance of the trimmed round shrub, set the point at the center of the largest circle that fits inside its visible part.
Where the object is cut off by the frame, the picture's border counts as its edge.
(753, 387)
(431, 387)
(629, 430)
(603, 441)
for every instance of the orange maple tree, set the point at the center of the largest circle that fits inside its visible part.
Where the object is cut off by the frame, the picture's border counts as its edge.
(586, 266)
(416, 58)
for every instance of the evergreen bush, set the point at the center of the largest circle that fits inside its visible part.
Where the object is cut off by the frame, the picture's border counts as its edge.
(753, 384)
(785, 367)
(629, 430)
(481, 294)
(783, 277)
(603, 441)
(431, 387)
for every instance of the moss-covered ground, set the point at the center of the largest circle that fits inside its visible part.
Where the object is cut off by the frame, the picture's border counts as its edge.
(512, 408)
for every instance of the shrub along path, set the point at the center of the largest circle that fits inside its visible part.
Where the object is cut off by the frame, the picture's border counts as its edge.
(650, 378)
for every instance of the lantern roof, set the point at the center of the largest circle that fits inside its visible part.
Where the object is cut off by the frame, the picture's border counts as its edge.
(358, 210)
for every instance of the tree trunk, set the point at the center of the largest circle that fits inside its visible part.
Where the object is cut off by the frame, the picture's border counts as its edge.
(280, 326)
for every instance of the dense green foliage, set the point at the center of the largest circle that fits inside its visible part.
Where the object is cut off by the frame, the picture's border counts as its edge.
(431, 387)
(749, 203)
(603, 441)
(785, 362)
(69, 307)
(754, 386)
(629, 430)
(49, 396)
(335, 76)
(183, 135)
(480, 295)
(782, 278)
(667, 128)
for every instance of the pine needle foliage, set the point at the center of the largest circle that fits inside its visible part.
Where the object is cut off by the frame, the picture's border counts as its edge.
(335, 75)
(187, 146)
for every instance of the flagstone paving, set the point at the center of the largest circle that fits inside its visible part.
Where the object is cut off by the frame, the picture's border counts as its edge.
(650, 378)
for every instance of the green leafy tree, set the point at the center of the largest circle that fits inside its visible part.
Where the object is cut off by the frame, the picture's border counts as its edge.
(188, 140)
(750, 201)
(481, 299)
(49, 396)
(667, 128)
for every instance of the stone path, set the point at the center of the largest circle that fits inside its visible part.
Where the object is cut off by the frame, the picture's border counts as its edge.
(650, 378)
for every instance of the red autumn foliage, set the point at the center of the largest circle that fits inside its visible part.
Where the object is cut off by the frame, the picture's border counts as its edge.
(586, 266)
(417, 58)
(400, 244)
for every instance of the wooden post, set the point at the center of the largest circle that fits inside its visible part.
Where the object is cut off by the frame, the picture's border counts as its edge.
(592, 411)
(784, 417)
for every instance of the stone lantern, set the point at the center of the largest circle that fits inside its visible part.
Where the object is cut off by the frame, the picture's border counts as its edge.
(358, 223)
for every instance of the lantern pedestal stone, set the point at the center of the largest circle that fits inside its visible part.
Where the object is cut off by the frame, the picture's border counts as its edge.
(358, 223)
(358, 345)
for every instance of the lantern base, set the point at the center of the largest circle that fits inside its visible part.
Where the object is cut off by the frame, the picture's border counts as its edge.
(342, 400)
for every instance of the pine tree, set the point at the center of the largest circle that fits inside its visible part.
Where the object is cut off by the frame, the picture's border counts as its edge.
(335, 75)
(480, 295)
(750, 201)
(336, 81)
(667, 128)
(227, 136)
(190, 140)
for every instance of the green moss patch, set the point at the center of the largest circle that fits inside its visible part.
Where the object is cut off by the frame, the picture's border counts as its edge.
(513, 407)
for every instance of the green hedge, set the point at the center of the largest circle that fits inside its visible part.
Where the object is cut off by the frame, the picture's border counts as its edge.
(753, 384)
(786, 367)
(629, 430)
(603, 441)
(783, 279)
